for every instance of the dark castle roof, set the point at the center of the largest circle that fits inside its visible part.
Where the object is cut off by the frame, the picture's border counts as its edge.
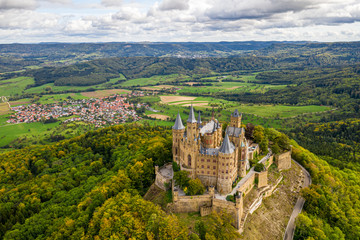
(236, 113)
(227, 147)
(178, 123)
(234, 131)
(199, 119)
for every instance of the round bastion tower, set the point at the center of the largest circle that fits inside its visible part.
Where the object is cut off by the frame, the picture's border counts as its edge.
(178, 131)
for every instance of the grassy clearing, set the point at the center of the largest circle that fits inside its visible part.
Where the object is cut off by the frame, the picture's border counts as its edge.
(14, 86)
(38, 133)
(9, 133)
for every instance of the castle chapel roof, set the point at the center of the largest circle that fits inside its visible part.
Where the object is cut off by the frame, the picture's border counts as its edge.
(227, 147)
(178, 123)
(191, 118)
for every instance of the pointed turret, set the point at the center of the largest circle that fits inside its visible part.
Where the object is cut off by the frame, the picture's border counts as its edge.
(178, 123)
(236, 113)
(191, 118)
(199, 119)
(226, 146)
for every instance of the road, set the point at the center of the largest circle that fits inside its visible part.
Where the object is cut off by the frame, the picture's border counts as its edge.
(290, 229)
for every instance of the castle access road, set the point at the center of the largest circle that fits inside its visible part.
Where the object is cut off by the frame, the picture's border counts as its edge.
(290, 229)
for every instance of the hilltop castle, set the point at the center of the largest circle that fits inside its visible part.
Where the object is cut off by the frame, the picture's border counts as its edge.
(201, 150)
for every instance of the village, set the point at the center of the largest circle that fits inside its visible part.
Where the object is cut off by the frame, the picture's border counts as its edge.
(101, 111)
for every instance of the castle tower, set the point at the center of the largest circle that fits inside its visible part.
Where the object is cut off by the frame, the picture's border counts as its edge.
(243, 159)
(227, 166)
(191, 124)
(178, 132)
(235, 119)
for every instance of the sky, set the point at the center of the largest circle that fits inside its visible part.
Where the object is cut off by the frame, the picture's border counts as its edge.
(33, 21)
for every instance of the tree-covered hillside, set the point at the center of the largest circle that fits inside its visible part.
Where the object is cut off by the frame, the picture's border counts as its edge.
(86, 187)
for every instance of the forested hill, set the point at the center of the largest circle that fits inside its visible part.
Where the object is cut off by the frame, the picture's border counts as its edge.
(52, 191)
(14, 57)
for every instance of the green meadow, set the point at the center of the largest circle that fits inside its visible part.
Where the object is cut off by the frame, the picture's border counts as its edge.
(14, 86)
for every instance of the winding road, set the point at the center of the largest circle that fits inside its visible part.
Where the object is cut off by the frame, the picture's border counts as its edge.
(290, 229)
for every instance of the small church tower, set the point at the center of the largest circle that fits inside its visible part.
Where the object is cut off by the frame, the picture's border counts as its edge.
(178, 132)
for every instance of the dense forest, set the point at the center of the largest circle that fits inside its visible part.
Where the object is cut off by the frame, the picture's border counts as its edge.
(90, 187)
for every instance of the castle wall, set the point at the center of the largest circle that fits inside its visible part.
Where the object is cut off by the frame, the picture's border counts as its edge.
(248, 184)
(207, 169)
(234, 209)
(186, 204)
(262, 178)
(283, 161)
(161, 180)
(269, 161)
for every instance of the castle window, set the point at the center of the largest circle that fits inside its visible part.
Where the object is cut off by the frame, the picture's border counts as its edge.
(202, 171)
(226, 172)
(208, 172)
(202, 160)
(208, 167)
(214, 167)
(227, 164)
(189, 160)
(214, 161)
(208, 160)
(222, 171)
(176, 151)
(213, 173)
(202, 166)
(223, 164)
(226, 177)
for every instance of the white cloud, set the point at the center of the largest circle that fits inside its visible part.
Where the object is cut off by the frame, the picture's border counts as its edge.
(111, 3)
(17, 4)
(175, 20)
(166, 5)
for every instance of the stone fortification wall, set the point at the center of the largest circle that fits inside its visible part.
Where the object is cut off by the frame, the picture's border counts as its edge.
(186, 204)
(163, 176)
(283, 161)
(234, 209)
(248, 185)
(262, 178)
(269, 161)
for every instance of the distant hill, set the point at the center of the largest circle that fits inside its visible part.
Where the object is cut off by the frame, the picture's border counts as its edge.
(14, 57)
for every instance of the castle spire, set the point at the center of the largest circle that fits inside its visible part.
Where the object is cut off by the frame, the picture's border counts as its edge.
(178, 123)
(236, 113)
(199, 119)
(226, 146)
(191, 118)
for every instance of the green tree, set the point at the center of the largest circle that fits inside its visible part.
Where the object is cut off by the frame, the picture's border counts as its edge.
(195, 187)
(182, 178)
